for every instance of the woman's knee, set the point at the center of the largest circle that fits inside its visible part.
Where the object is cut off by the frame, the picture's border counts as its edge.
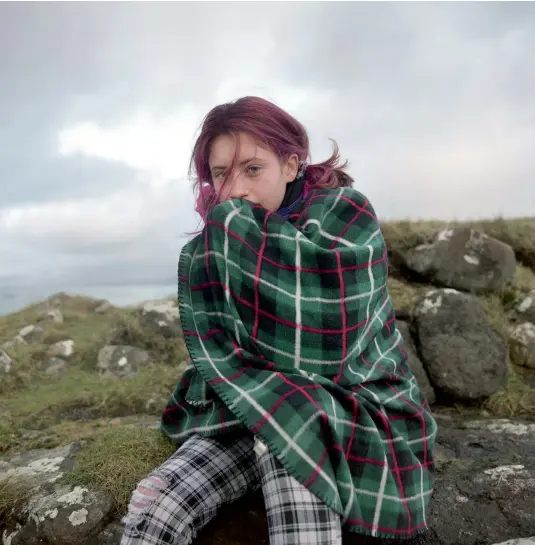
(144, 496)
(180, 497)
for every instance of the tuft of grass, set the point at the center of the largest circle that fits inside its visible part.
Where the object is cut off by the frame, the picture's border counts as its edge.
(516, 400)
(493, 306)
(519, 233)
(14, 493)
(117, 460)
(402, 235)
(8, 433)
(402, 294)
(524, 279)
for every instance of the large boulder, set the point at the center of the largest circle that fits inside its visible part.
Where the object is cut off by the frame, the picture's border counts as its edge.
(415, 363)
(464, 259)
(54, 513)
(121, 361)
(464, 356)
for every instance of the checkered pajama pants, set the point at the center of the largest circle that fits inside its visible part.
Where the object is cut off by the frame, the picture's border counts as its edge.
(180, 497)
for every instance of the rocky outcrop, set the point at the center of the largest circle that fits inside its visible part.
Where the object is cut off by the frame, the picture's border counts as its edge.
(55, 513)
(484, 494)
(464, 356)
(463, 259)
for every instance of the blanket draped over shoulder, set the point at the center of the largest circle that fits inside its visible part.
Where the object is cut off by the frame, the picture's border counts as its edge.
(292, 335)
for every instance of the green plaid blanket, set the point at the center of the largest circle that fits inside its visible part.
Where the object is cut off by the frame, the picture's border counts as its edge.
(292, 335)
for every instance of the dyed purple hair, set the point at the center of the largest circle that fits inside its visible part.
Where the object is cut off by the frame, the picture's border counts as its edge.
(271, 127)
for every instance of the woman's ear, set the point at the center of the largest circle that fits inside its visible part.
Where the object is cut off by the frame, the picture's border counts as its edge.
(290, 168)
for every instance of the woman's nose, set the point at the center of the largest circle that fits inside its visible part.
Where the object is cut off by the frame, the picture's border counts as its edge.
(238, 189)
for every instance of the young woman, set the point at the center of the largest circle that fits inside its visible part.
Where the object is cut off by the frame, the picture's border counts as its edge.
(298, 383)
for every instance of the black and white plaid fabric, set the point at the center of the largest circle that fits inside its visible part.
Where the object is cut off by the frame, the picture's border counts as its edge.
(295, 515)
(207, 472)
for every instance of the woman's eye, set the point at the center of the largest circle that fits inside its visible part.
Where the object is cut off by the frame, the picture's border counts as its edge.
(253, 170)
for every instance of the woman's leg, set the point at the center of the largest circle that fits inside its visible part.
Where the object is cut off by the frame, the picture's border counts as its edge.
(180, 497)
(295, 515)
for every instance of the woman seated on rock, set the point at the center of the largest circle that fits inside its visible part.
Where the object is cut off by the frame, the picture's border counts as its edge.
(298, 383)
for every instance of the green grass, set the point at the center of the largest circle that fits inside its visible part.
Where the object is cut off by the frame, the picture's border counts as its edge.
(117, 460)
(76, 406)
(64, 407)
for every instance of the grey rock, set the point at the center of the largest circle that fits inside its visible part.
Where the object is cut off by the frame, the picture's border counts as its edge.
(62, 349)
(5, 363)
(520, 541)
(463, 355)
(55, 367)
(55, 513)
(112, 534)
(415, 363)
(525, 308)
(121, 361)
(40, 467)
(66, 516)
(522, 340)
(53, 315)
(15, 341)
(103, 307)
(161, 316)
(464, 259)
(32, 333)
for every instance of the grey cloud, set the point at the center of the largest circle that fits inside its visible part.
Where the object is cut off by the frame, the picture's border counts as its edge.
(432, 103)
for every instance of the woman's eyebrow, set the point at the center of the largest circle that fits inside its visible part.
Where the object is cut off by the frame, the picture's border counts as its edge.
(241, 163)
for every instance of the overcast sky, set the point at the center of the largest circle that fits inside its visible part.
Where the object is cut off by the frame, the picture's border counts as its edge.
(432, 103)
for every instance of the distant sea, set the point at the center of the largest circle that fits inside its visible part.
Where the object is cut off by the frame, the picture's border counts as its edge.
(118, 295)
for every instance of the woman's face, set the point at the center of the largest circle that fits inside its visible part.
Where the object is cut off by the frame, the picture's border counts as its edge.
(259, 176)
